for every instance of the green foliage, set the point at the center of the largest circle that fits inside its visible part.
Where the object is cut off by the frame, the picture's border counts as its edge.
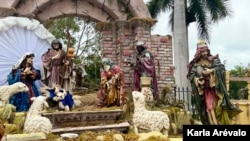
(60, 27)
(83, 37)
(238, 71)
(237, 89)
(94, 72)
(85, 41)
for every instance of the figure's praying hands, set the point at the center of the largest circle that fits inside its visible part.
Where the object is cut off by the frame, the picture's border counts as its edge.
(27, 70)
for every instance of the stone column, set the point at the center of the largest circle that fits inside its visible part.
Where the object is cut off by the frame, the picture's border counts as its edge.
(124, 50)
(142, 30)
(108, 40)
(181, 51)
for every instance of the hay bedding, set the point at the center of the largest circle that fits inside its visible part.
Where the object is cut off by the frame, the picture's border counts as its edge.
(88, 102)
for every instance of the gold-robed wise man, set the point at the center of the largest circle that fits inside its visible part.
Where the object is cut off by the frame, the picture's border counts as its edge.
(207, 76)
(111, 89)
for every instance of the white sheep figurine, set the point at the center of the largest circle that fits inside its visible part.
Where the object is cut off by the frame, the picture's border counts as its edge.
(6, 91)
(35, 122)
(148, 120)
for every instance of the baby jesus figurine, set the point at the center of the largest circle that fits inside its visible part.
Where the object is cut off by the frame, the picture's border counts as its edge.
(62, 97)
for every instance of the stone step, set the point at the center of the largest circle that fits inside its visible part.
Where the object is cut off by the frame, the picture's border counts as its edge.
(121, 127)
(83, 118)
(25, 137)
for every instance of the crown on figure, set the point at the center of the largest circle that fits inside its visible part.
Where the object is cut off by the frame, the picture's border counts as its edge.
(201, 44)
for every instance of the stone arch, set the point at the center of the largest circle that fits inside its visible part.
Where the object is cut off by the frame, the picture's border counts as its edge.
(121, 22)
(95, 10)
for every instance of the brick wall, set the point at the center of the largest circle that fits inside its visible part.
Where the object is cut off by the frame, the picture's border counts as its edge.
(118, 42)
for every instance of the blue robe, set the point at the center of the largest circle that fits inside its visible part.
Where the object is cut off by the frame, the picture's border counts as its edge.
(22, 99)
(68, 99)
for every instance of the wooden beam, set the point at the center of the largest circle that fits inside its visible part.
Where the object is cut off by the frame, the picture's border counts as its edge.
(239, 78)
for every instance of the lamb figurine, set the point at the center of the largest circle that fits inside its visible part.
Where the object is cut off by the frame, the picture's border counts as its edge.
(6, 91)
(35, 122)
(148, 120)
